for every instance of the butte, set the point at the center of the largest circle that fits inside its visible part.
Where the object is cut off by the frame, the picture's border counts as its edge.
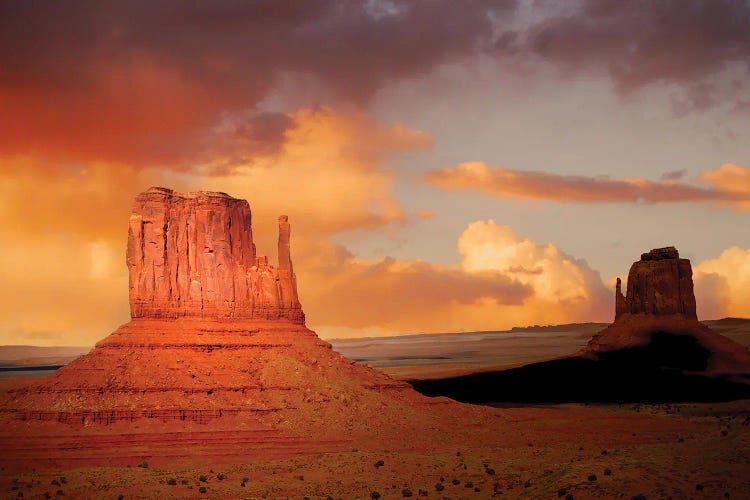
(216, 364)
(656, 350)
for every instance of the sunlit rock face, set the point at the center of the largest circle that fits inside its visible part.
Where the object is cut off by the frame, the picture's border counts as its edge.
(193, 255)
(661, 283)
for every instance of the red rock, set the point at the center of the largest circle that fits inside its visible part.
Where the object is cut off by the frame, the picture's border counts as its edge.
(193, 255)
(660, 299)
(217, 339)
(660, 283)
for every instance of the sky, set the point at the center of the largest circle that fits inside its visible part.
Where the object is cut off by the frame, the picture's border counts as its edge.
(446, 166)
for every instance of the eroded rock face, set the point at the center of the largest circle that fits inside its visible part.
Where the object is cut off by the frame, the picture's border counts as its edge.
(193, 255)
(661, 283)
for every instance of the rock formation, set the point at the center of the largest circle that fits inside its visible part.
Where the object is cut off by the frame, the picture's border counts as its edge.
(655, 350)
(660, 300)
(217, 339)
(193, 255)
(660, 283)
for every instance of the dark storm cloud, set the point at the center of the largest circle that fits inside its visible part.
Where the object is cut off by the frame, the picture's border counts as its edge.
(673, 175)
(140, 81)
(146, 83)
(642, 42)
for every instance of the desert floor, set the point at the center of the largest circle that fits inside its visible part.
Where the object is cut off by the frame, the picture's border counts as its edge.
(587, 451)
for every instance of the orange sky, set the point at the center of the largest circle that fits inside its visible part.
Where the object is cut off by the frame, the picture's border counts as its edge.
(434, 179)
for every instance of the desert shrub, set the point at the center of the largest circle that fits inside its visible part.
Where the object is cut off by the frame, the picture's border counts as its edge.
(698, 487)
(568, 497)
(639, 496)
(607, 472)
(406, 493)
(172, 481)
(185, 481)
(605, 453)
(47, 494)
(20, 494)
(203, 478)
(60, 493)
(379, 464)
(592, 477)
(456, 482)
(439, 487)
(423, 493)
(374, 495)
(221, 476)
(561, 492)
(468, 484)
(489, 471)
(202, 489)
(55, 482)
(527, 484)
(143, 465)
(63, 480)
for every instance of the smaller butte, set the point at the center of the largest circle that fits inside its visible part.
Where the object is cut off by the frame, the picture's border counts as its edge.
(660, 302)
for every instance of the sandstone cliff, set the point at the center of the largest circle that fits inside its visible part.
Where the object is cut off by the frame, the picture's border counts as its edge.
(193, 255)
(660, 283)
(660, 302)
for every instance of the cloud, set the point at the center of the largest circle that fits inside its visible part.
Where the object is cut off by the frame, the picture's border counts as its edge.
(402, 296)
(64, 227)
(723, 284)
(144, 82)
(729, 185)
(674, 42)
(673, 175)
(329, 176)
(90, 200)
(568, 287)
(61, 290)
(503, 281)
(423, 213)
(733, 179)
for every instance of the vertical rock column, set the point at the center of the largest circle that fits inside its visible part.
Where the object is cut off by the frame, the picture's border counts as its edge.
(287, 279)
(621, 304)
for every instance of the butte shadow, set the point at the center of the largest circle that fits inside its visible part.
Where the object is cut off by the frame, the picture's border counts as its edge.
(655, 351)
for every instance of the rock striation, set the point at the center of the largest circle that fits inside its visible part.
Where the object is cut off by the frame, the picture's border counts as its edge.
(660, 283)
(193, 255)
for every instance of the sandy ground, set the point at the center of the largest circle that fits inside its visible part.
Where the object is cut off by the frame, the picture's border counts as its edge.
(660, 451)
(320, 426)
